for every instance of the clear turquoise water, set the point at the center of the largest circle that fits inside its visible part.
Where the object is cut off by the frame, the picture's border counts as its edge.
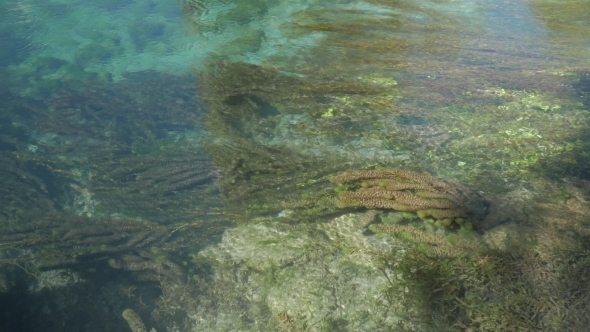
(174, 158)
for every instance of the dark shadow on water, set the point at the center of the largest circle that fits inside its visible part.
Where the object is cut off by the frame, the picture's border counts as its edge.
(575, 161)
(86, 301)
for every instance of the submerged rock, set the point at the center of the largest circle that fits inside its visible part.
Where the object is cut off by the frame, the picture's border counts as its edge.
(303, 278)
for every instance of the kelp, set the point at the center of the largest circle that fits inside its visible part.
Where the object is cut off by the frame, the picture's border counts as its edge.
(444, 203)
(105, 176)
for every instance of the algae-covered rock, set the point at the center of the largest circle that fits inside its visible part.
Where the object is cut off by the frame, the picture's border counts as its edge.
(321, 277)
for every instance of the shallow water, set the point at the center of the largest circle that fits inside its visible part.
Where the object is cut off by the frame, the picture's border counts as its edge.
(194, 162)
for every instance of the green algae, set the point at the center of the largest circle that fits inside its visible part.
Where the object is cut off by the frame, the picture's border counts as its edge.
(291, 276)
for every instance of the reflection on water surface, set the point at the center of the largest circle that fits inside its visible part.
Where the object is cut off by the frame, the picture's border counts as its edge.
(294, 166)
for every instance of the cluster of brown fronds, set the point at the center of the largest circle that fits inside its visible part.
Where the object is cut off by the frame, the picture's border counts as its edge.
(447, 202)
(118, 151)
(61, 241)
(178, 187)
(21, 191)
(143, 250)
(135, 110)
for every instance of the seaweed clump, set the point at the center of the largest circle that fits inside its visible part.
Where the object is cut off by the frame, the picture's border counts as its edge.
(261, 172)
(149, 254)
(444, 203)
(162, 187)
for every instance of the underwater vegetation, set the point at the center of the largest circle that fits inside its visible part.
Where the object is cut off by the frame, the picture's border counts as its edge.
(462, 104)
(448, 203)
(406, 170)
(386, 269)
(144, 108)
(78, 171)
(240, 100)
(569, 19)
(437, 278)
(22, 189)
(167, 188)
(154, 257)
(109, 141)
(403, 275)
(62, 241)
